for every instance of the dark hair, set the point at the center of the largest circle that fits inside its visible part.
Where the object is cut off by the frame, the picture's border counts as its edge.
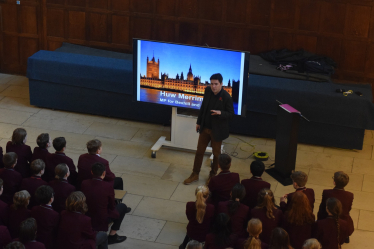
(59, 143)
(44, 194)
(27, 230)
(341, 179)
(224, 161)
(335, 208)
(61, 170)
(279, 239)
(1, 183)
(222, 230)
(257, 168)
(300, 178)
(18, 136)
(9, 159)
(300, 212)
(43, 140)
(217, 76)
(237, 195)
(76, 202)
(98, 169)
(266, 200)
(15, 245)
(37, 166)
(93, 146)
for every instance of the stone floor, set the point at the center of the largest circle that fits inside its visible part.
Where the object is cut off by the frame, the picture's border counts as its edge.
(155, 190)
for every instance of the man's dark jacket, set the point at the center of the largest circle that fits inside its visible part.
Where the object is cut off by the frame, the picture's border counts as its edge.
(220, 123)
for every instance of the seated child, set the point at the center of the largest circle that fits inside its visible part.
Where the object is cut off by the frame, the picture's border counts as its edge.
(12, 179)
(193, 244)
(279, 239)
(15, 245)
(312, 244)
(270, 216)
(5, 238)
(254, 228)
(3, 207)
(59, 144)
(254, 184)
(299, 179)
(332, 231)
(221, 236)
(23, 151)
(46, 218)
(41, 152)
(61, 187)
(221, 185)
(18, 212)
(341, 180)
(27, 234)
(35, 181)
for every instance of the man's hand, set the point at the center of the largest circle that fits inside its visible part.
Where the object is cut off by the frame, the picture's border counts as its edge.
(215, 112)
(197, 128)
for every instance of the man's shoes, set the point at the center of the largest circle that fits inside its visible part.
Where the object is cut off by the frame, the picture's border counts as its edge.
(114, 239)
(193, 178)
(128, 210)
(347, 240)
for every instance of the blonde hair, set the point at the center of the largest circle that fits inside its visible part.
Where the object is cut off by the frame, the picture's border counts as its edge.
(202, 193)
(266, 200)
(312, 244)
(21, 199)
(254, 229)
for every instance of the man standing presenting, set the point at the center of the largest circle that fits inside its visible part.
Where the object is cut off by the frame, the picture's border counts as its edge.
(212, 124)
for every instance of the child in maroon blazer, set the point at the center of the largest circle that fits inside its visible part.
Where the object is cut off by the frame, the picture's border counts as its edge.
(298, 220)
(27, 234)
(12, 179)
(299, 179)
(85, 162)
(193, 244)
(332, 231)
(46, 218)
(270, 216)
(35, 181)
(200, 215)
(279, 239)
(75, 229)
(312, 244)
(61, 187)
(5, 238)
(221, 236)
(41, 152)
(1, 158)
(238, 213)
(341, 180)
(23, 151)
(254, 184)
(254, 229)
(59, 144)
(18, 212)
(221, 185)
(101, 204)
(3, 207)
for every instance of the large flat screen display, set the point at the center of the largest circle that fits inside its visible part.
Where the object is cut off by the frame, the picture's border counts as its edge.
(177, 75)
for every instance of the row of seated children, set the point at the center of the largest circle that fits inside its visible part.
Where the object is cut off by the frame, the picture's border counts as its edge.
(25, 157)
(96, 201)
(252, 198)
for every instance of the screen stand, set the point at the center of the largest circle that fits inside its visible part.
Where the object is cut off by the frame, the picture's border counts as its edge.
(183, 134)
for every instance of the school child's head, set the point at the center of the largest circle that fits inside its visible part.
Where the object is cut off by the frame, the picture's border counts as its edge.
(341, 179)
(10, 160)
(266, 200)
(312, 244)
(299, 179)
(44, 141)
(37, 167)
(257, 168)
(202, 194)
(19, 136)
(21, 199)
(224, 162)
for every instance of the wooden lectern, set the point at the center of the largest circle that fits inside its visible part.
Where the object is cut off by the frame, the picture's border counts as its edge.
(288, 119)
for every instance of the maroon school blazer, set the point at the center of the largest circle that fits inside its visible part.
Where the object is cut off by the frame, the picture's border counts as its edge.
(346, 198)
(12, 181)
(47, 220)
(298, 234)
(53, 160)
(326, 232)
(307, 191)
(100, 202)
(5, 238)
(209, 242)
(238, 220)
(62, 191)
(85, 163)
(75, 232)
(31, 184)
(42, 154)
(15, 219)
(221, 185)
(33, 244)
(267, 224)
(252, 187)
(3, 213)
(24, 154)
(1, 158)
(195, 230)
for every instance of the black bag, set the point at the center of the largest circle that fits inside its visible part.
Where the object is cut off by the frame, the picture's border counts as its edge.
(320, 67)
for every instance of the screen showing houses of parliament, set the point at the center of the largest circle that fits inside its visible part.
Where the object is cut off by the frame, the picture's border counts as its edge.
(177, 75)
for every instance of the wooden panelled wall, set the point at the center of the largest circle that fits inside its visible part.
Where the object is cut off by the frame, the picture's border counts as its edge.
(341, 29)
